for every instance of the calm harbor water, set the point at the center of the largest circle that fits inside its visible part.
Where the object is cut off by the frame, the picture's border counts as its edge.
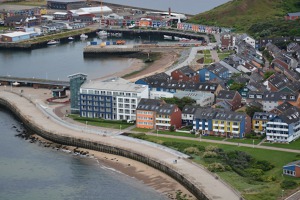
(29, 171)
(183, 6)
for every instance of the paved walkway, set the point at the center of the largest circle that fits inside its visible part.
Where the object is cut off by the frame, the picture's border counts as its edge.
(213, 188)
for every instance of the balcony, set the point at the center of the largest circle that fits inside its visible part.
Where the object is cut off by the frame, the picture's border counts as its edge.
(163, 119)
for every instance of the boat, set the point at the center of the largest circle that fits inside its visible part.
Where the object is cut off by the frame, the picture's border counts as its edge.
(70, 38)
(83, 36)
(52, 42)
(102, 34)
(120, 42)
(167, 37)
(176, 38)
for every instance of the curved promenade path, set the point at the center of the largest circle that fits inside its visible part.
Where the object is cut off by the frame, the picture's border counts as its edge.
(212, 188)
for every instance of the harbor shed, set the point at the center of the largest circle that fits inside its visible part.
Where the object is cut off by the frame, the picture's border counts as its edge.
(292, 169)
(15, 36)
(65, 4)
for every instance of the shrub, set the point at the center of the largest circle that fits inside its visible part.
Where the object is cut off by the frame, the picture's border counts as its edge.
(211, 148)
(267, 178)
(254, 173)
(216, 167)
(288, 184)
(191, 150)
(210, 154)
(263, 165)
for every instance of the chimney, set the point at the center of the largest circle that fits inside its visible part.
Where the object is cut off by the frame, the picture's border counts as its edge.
(169, 10)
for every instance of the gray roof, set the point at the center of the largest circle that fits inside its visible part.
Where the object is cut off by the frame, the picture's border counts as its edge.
(274, 96)
(149, 104)
(223, 104)
(256, 77)
(217, 69)
(283, 107)
(255, 104)
(278, 80)
(186, 70)
(205, 113)
(166, 109)
(228, 95)
(293, 163)
(219, 114)
(262, 116)
(189, 109)
(113, 84)
(291, 115)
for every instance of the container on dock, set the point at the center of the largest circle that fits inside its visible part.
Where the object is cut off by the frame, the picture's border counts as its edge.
(107, 43)
(88, 43)
(94, 43)
(114, 43)
(102, 44)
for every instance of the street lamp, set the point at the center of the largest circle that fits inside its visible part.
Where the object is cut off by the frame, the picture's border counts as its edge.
(120, 127)
(86, 122)
(282, 193)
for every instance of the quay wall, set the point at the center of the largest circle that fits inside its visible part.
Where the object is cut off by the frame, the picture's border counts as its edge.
(85, 143)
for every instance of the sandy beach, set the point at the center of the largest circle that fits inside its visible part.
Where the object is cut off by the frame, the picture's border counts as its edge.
(149, 176)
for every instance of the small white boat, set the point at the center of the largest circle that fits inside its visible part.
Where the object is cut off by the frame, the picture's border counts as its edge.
(52, 42)
(167, 37)
(102, 34)
(83, 36)
(70, 38)
(176, 38)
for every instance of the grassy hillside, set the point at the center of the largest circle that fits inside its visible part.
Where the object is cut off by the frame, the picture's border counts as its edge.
(254, 17)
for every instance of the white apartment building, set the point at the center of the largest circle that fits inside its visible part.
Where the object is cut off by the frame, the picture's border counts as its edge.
(114, 99)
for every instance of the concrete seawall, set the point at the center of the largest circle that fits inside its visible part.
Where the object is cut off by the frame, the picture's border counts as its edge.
(197, 180)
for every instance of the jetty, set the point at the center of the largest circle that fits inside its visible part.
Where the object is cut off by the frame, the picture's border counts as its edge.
(39, 118)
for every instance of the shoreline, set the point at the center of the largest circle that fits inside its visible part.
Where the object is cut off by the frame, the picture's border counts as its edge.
(143, 173)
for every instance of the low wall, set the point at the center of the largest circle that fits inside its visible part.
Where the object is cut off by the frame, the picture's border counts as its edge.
(65, 140)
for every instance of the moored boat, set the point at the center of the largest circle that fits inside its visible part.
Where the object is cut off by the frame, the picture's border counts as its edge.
(83, 36)
(52, 42)
(70, 38)
(167, 37)
(102, 34)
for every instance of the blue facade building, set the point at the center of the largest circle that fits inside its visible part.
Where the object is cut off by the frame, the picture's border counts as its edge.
(214, 71)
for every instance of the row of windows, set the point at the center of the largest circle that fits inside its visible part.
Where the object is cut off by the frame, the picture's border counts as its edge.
(228, 123)
(228, 128)
(163, 116)
(162, 122)
(96, 98)
(108, 93)
(145, 123)
(145, 118)
(289, 172)
(145, 112)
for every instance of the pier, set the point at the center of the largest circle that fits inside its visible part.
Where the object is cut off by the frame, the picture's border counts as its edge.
(33, 82)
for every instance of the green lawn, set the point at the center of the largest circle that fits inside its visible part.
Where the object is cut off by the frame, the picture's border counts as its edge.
(28, 3)
(142, 130)
(209, 137)
(223, 55)
(175, 133)
(292, 145)
(250, 189)
(101, 122)
(208, 60)
(244, 141)
(206, 52)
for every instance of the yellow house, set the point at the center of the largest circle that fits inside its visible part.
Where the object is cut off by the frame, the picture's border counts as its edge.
(259, 121)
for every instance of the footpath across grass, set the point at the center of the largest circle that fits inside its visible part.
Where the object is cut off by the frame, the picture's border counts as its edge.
(263, 185)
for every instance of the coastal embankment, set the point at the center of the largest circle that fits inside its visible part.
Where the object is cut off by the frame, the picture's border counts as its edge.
(197, 180)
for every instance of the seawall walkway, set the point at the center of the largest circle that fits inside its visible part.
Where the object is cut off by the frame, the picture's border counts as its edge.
(200, 182)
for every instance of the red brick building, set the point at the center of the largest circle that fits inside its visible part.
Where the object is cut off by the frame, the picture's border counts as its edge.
(231, 97)
(185, 74)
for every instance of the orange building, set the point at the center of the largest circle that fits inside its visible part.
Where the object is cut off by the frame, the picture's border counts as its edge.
(146, 113)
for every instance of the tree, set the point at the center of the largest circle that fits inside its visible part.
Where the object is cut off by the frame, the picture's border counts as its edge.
(268, 74)
(252, 109)
(180, 102)
(236, 86)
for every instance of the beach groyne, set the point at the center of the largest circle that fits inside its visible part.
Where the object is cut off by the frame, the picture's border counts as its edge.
(98, 146)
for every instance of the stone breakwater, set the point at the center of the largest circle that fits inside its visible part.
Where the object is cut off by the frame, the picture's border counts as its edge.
(32, 112)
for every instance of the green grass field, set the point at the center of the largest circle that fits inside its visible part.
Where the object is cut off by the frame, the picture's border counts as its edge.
(244, 141)
(101, 123)
(293, 145)
(223, 55)
(250, 189)
(175, 133)
(142, 130)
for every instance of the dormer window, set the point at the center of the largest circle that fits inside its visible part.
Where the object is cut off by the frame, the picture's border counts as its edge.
(292, 97)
